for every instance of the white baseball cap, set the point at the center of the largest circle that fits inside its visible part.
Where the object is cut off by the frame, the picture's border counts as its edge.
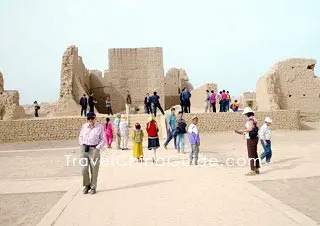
(268, 119)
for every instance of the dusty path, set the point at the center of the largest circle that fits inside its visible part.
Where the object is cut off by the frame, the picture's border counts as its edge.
(172, 193)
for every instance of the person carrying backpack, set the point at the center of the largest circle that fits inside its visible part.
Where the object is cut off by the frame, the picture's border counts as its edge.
(252, 136)
(180, 132)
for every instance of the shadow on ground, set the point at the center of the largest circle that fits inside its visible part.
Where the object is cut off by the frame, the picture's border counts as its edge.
(137, 185)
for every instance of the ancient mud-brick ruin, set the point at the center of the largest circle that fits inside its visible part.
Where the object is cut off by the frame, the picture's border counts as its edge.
(198, 95)
(138, 70)
(9, 103)
(289, 84)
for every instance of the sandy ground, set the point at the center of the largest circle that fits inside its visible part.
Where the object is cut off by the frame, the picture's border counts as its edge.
(170, 192)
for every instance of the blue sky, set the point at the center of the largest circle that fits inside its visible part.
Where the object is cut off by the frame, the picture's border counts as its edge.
(230, 42)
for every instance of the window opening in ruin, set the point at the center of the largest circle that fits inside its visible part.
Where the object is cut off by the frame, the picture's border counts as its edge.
(292, 67)
(304, 95)
(311, 66)
(290, 95)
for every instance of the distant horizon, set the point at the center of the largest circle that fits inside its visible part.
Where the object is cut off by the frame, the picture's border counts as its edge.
(230, 43)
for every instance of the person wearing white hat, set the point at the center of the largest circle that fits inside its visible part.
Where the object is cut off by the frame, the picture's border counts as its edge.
(265, 139)
(252, 137)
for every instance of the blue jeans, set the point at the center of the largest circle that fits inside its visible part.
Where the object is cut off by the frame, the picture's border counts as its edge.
(180, 142)
(171, 135)
(267, 150)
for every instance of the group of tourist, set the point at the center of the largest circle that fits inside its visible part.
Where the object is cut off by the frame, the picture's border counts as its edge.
(93, 136)
(222, 98)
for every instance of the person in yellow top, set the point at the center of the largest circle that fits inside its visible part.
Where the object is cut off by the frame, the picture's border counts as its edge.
(235, 106)
(137, 138)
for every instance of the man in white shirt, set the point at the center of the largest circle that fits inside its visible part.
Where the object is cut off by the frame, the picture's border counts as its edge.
(265, 139)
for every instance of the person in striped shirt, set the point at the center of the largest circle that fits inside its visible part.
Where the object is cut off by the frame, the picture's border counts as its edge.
(265, 139)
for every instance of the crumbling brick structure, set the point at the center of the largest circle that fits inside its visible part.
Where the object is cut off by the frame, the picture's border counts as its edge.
(249, 100)
(9, 103)
(289, 84)
(139, 70)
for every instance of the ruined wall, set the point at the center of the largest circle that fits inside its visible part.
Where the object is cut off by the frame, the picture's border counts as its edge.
(139, 70)
(174, 81)
(9, 103)
(74, 83)
(249, 100)
(198, 96)
(290, 84)
(69, 127)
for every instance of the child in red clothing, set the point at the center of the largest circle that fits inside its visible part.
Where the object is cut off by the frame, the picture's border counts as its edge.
(153, 139)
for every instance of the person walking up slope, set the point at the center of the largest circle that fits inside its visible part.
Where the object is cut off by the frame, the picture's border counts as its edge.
(137, 138)
(194, 140)
(153, 139)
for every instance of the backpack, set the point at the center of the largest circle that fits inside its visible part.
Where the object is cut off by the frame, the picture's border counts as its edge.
(253, 134)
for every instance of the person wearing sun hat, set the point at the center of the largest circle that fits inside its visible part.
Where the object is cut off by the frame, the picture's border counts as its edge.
(251, 135)
(91, 140)
(265, 140)
(137, 139)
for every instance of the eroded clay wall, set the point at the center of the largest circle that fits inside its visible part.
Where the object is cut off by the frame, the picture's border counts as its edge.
(290, 84)
(75, 81)
(9, 103)
(249, 100)
(69, 127)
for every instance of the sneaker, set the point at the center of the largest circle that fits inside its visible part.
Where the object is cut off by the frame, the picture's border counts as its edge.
(86, 189)
(93, 191)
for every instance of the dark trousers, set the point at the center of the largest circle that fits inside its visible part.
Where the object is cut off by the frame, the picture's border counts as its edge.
(225, 105)
(220, 106)
(84, 110)
(36, 113)
(91, 108)
(187, 106)
(148, 109)
(171, 135)
(213, 105)
(252, 146)
(155, 106)
(109, 110)
(267, 150)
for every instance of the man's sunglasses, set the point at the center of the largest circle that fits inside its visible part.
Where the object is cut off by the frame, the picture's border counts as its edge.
(91, 118)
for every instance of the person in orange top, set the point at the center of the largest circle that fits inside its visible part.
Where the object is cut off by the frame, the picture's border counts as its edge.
(153, 138)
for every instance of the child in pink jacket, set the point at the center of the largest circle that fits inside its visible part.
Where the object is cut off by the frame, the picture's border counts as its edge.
(108, 132)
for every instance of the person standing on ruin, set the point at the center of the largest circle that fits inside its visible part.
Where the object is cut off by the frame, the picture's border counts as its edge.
(84, 105)
(224, 101)
(36, 108)
(91, 140)
(156, 104)
(108, 106)
(220, 101)
(116, 124)
(128, 102)
(91, 102)
(182, 104)
(229, 101)
(186, 95)
(147, 104)
(213, 100)
(207, 106)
